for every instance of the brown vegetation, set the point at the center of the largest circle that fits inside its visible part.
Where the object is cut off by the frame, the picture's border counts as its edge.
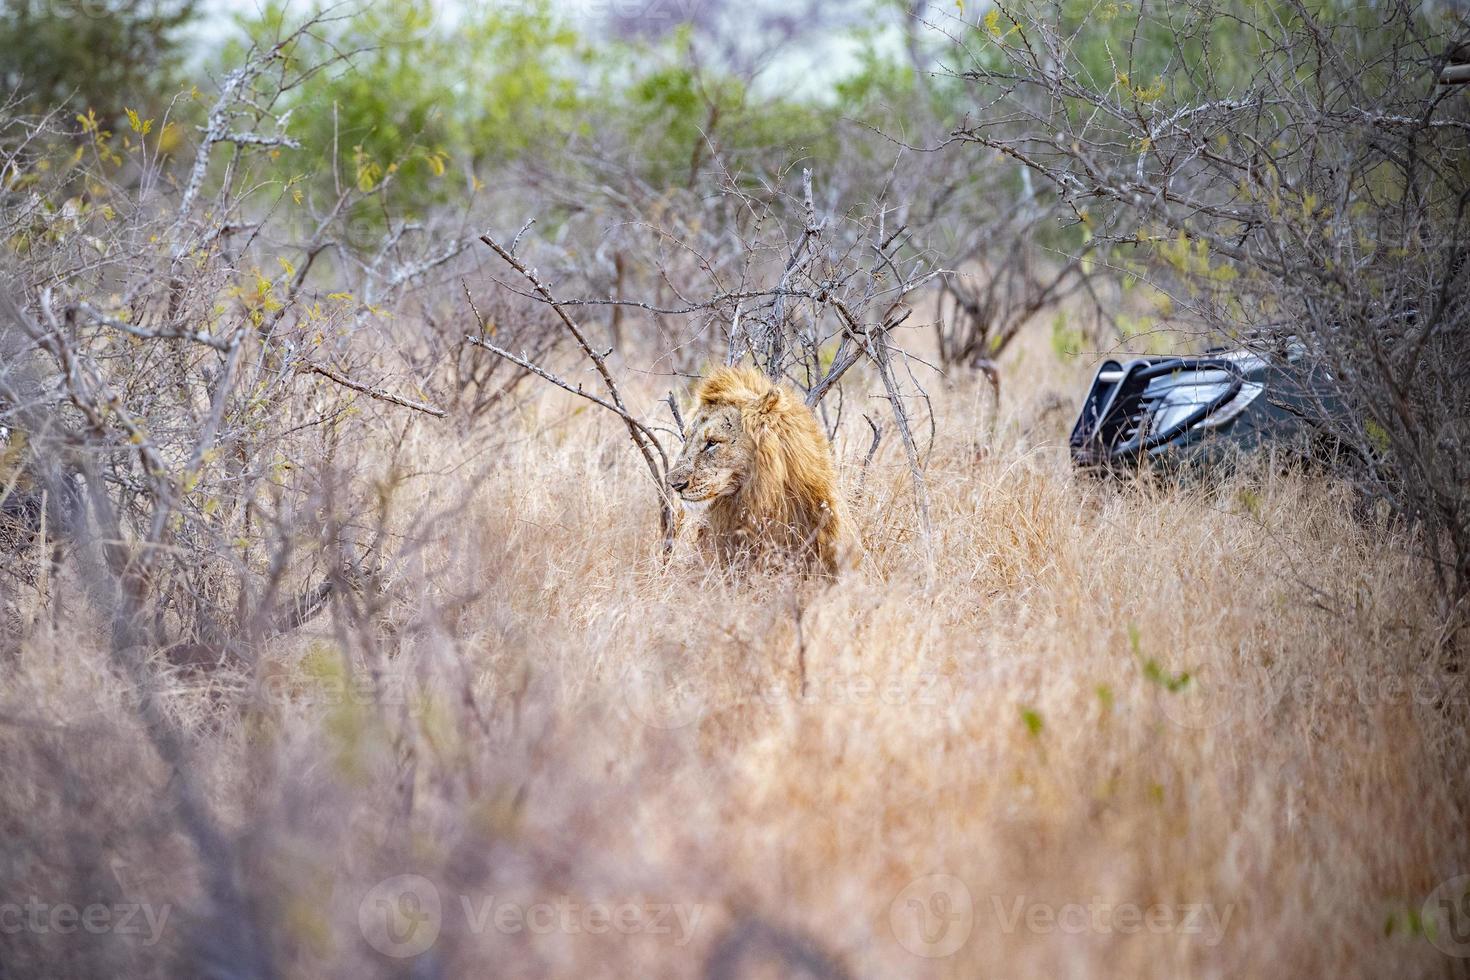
(539, 709)
(342, 634)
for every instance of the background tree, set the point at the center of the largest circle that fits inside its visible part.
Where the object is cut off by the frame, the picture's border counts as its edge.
(90, 54)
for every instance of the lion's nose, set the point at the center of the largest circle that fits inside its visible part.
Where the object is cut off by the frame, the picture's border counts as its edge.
(679, 485)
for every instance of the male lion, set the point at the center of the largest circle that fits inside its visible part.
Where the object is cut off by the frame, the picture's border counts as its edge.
(760, 468)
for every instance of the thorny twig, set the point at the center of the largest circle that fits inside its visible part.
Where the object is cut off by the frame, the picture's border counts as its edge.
(648, 446)
(372, 392)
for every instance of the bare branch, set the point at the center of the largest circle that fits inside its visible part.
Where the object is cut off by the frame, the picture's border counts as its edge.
(648, 446)
(372, 392)
(678, 418)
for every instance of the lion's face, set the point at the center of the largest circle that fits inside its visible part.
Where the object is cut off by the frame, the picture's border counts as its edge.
(759, 466)
(717, 457)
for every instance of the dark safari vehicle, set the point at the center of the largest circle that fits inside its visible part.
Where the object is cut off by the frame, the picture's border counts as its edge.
(1181, 411)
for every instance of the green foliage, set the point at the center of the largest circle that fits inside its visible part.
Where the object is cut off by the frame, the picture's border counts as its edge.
(421, 104)
(883, 82)
(1066, 340)
(1408, 922)
(887, 93)
(91, 56)
(678, 114)
(1153, 672)
(415, 96)
(1377, 436)
(672, 109)
(1173, 683)
(1148, 51)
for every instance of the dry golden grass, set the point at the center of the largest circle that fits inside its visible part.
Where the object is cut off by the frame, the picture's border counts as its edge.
(564, 719)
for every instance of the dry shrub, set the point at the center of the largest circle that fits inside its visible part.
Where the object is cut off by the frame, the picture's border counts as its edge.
(536, 709)
(325, 639)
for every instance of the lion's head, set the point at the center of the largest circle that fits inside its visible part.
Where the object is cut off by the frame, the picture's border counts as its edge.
(758, 465)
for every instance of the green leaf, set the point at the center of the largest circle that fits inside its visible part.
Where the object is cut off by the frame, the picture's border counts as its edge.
(1033, 721)
(1173, 683)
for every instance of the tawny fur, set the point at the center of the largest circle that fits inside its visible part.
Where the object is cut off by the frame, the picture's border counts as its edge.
(757, 457)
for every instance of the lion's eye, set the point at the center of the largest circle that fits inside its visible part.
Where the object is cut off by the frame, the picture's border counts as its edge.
(709, 444)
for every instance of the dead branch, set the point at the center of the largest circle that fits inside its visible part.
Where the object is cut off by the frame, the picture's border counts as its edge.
(371, 392)
(678, 418)
(877, 428)
(143, 333)
(647, 444)
(522, 361)
(877, 349)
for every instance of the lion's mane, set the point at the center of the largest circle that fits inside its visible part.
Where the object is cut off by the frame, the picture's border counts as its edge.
(789, 497)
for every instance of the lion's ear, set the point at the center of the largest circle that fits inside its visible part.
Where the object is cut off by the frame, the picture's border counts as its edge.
(768, 402)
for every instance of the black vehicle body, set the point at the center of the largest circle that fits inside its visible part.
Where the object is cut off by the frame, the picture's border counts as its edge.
(24, 508)
(1206, 409)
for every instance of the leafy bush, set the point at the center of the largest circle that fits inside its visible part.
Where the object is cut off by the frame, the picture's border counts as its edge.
(403, 95)
(91, 55)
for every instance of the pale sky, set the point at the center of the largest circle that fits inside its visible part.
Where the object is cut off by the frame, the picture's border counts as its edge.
(809, 67)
